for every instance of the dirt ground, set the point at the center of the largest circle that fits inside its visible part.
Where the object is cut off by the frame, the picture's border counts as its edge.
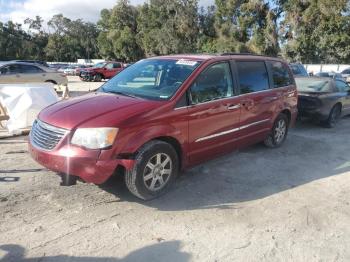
(259, 204)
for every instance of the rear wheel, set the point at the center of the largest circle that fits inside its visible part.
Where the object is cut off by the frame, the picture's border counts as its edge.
(155, 170)
(278, 133)
(333, 117)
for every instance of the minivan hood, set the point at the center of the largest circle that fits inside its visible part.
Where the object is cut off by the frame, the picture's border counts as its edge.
(90, 109)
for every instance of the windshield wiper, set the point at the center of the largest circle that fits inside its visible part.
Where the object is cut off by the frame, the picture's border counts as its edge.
(121, 93)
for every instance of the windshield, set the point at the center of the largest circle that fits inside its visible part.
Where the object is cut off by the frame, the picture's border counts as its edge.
(155, 79)
(99, 65)
(312, 85)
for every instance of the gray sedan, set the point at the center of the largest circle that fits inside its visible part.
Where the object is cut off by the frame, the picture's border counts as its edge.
(324, 99)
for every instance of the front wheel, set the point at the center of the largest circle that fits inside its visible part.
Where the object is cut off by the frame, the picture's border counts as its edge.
(278, 133)
(156, 168)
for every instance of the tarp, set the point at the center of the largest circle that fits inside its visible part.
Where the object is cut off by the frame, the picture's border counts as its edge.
(24, 101)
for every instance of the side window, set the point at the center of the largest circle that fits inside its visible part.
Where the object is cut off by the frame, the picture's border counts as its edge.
(117, 65)
(341, 86)
(280, 74)
(212, 84)
(252, 76)
(14, 69)
(109, 66)
(29, 69)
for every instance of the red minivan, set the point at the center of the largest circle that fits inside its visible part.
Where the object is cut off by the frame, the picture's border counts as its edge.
(164, 114)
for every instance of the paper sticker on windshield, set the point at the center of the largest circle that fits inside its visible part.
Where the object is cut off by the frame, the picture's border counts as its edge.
(186, 62)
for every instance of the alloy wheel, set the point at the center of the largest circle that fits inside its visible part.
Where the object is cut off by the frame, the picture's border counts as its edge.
(157, 172)
(280, 131)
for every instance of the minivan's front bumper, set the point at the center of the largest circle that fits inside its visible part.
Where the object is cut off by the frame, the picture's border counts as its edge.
(79, 162)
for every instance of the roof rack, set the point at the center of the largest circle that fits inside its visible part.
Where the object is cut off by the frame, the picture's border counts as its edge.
(229, 53)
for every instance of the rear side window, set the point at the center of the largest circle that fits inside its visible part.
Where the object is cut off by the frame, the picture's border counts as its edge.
(29, 69)
(117, 65)
(341, 86)
(280, 74)
(252, 76)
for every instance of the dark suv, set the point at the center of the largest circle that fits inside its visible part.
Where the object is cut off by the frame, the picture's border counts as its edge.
(164, 114)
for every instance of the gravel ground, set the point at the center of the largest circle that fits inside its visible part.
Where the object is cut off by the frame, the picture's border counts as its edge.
(259, 204)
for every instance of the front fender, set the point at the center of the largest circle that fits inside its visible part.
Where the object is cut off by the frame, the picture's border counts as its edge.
(153, 132)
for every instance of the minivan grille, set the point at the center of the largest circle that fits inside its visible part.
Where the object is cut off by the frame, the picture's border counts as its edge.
(45, 136)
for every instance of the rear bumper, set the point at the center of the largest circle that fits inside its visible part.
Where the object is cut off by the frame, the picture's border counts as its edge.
(317, 114)
(79, 162)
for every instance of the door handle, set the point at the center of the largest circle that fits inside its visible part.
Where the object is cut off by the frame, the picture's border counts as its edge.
(233, 107)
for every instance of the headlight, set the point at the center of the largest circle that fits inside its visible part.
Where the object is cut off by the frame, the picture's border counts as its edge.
(94, 138)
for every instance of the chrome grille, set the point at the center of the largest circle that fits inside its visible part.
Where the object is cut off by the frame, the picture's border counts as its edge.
(45, 136)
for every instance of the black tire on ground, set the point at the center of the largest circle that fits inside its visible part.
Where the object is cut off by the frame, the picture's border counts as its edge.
(98, 78)
(155, 161)
(278, 133)
(333, 117)
(51, 81)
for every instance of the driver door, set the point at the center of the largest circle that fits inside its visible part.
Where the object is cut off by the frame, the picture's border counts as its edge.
(214, 113)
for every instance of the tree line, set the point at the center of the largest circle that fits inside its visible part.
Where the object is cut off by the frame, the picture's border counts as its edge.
(308, 31)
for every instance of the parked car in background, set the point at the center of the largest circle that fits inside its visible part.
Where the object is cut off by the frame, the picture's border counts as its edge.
(331, 75)
(16, 72)
(346, 74)
(164, 114)
(62, 67)
(39, 62)
(70, 70)
(100, 71)
(298, 69)
(80, 68)
(323, 99)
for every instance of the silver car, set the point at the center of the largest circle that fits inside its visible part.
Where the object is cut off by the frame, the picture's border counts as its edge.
(16, 72)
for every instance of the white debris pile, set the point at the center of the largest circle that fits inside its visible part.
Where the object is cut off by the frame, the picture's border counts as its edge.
(23, 102)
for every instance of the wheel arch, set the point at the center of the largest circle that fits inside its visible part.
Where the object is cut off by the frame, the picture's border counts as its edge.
(288, 113)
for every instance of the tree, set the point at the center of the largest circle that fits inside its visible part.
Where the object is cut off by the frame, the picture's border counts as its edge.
(169, 26)
(117, 38)
(316, 31)
(71, 40)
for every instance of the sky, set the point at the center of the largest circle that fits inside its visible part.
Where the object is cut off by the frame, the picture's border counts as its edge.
(88, 10)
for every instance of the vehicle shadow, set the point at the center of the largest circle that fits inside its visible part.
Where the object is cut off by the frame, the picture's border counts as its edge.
(255, 172)
(164, 251)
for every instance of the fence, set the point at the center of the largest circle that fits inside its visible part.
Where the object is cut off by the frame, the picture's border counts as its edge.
(315, 68)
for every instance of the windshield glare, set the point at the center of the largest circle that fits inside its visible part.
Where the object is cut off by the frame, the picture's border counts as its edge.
(155, 79)
(312, 85)
(99, 65)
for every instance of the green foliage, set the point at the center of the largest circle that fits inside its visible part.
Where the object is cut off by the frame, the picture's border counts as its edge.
(71, 40)
(117, 38)
(317, 31)
(168, 26)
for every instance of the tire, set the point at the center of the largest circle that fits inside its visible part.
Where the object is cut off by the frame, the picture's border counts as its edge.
(333, 117)
(98, 78)
(142, 176)
(51, 81)
(278, 133)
